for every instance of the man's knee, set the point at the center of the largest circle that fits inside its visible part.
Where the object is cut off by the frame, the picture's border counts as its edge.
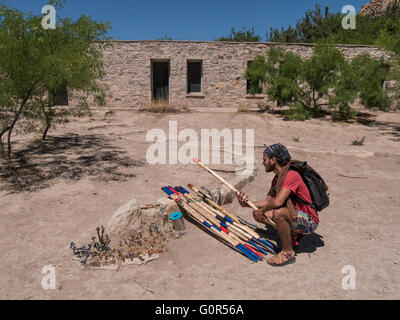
(281, 214)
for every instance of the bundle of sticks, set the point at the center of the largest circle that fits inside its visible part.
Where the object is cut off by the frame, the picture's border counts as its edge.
(221, 223)
(227, 184)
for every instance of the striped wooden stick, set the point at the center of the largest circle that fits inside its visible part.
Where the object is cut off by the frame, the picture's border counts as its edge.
(255, 236)
(222, 180)
(210, 217)
(229, 225)
(224, 226)
(223, 210)
(220, 216)
(213, 228)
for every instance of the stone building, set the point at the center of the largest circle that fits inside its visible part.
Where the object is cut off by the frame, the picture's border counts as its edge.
(191, 73)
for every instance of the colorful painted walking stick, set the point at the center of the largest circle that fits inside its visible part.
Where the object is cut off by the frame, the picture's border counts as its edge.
(254, 235)
(214, 229)
(222, 180)
(197, 206)
(192, 212)
(224, 224)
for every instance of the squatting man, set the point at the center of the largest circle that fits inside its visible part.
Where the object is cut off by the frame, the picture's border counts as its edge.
(294, 218)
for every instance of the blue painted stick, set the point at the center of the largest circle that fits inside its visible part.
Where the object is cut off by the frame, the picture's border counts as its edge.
(197, 217)
(198, 207)
(236, 235)
(223, 217)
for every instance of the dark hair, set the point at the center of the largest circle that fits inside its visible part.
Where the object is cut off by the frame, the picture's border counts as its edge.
(279, 152)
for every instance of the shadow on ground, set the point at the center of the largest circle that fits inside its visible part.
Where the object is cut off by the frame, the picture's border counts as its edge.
(385, 128)
(70, 157)
(363, 118)
(308, 244)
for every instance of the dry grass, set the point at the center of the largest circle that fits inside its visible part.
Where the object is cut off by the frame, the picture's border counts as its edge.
(243, 108)
(358, 142)
(165, 107)
(262, 107)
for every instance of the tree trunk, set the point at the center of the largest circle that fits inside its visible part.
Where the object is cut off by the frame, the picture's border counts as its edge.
(3, 152)
(47, 120)
(16, 118)
(46, 129)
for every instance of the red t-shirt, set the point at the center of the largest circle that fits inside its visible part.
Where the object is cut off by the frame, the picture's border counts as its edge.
(296, 185)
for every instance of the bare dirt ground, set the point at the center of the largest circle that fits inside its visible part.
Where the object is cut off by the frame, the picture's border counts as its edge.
(88, 169)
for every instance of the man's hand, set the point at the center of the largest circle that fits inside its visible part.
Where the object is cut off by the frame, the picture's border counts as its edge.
(259, 215)
(242, 198)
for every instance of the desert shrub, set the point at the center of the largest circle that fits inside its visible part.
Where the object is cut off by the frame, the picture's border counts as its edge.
(297, 112)
(371, 75)
(390, 41)
(243, 108)
(164, 107)
(305, 81)
(343, 112)
(256, 74)
(243, 35)
(358, 142)
(325, 79)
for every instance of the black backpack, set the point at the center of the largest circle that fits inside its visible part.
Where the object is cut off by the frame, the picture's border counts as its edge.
(315, 184)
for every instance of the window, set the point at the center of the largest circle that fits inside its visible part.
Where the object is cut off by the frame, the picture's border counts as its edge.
(249, 86)
(160, 80)
(194, 75)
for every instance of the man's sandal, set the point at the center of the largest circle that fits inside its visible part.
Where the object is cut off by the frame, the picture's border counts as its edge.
(282, 259)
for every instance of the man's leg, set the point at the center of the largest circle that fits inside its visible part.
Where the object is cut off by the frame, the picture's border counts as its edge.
(283, 221)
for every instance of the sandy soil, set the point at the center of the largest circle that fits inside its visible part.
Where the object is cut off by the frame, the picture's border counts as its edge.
(89, 168)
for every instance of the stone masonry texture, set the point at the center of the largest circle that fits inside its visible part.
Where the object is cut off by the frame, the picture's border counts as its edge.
(129, 78)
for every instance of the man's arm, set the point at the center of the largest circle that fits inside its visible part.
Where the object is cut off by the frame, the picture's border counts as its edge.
(242, 198)
(276, 202)
(263, 203)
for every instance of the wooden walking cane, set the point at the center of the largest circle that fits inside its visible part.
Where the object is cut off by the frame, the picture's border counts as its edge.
(214, 229)
(253, 236)
(225, 225)
(210, 217)
(220, 214)
(237, 222)
(222, 180)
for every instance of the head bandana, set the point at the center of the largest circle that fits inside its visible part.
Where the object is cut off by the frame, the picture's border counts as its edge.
(278, 151)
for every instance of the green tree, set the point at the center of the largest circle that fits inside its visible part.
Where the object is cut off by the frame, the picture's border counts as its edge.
(390, 41)
(319, 25)
(36, 63)
(372, 75)
(256, 74)
(244, 35)
(306, 82)
(325, 79)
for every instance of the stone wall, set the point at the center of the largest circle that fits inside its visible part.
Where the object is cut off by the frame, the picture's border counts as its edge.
(128, 67)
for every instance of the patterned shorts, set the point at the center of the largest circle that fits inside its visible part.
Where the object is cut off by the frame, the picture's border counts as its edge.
(303, 224)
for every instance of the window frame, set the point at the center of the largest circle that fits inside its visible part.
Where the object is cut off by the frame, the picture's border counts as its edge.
(189, 61)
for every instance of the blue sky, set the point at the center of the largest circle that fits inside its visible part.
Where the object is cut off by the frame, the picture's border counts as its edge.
(186, 19)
